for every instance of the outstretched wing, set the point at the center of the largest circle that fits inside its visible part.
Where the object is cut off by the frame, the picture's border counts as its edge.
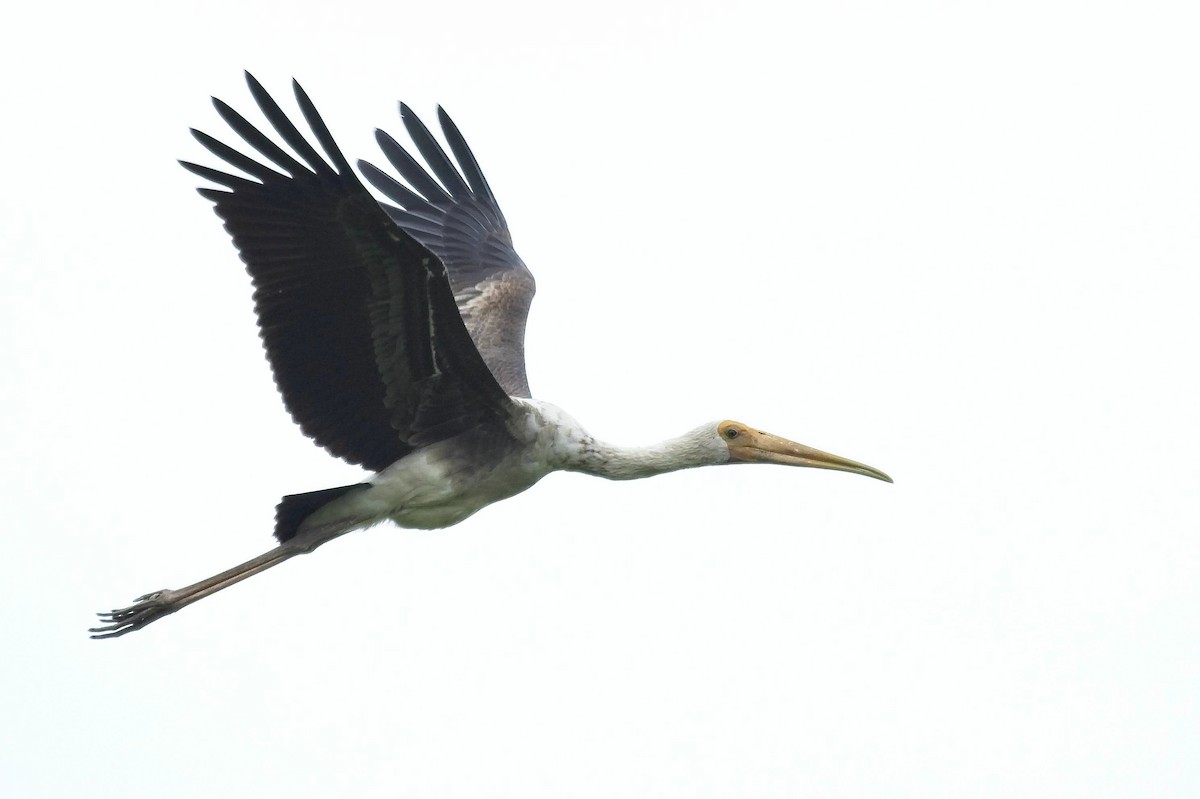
(357, 317)
(457, 217)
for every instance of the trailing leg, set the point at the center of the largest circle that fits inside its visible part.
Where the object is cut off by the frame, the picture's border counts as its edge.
(154, 606)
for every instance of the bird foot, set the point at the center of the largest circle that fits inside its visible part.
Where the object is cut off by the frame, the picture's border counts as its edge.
(145, 609)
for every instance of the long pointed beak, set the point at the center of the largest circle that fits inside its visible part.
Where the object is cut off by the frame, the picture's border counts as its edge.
(759, 447)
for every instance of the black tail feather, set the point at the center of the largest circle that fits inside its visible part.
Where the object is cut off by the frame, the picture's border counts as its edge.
(293, 509)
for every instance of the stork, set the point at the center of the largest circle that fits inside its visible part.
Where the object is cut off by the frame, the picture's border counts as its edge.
(395, 334)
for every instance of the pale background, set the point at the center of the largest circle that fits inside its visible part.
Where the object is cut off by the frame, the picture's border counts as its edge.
(958, 241)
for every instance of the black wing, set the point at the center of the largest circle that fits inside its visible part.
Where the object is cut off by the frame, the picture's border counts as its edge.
(358, 318)
(458, 218)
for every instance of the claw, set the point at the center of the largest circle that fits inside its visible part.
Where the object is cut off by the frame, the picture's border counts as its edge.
(145, 609)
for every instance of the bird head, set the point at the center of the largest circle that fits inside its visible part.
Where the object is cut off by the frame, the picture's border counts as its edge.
(750, 445)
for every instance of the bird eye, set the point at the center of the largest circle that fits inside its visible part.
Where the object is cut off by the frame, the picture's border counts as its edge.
(731, 433)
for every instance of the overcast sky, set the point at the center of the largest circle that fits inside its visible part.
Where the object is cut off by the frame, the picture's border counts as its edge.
(956, 241)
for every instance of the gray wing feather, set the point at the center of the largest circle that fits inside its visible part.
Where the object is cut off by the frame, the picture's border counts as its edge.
(454, 213)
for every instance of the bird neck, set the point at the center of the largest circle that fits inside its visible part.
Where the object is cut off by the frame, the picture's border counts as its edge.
(700, 447)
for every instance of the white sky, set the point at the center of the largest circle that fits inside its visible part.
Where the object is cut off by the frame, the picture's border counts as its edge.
(957, 241)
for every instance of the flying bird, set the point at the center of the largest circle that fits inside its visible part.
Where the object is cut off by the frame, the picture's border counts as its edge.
(395, 332)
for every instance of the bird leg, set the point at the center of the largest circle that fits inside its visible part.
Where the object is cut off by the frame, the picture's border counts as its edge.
(153, 606)
(157, 604)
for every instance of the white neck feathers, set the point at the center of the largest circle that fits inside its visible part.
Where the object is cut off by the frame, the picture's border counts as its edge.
(700, 447)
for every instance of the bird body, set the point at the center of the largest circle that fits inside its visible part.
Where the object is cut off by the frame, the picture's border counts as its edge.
(395, 333)
(442, 484)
